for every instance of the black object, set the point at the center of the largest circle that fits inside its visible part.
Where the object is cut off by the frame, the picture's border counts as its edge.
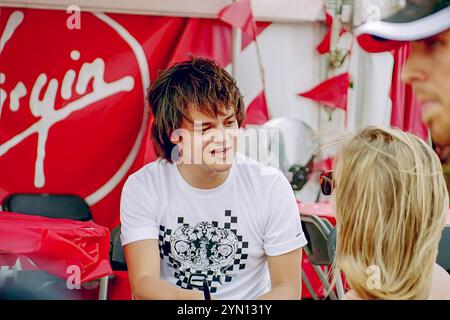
(317, 245)
(332, 244)
(443, 258)
(37, 285)
(326, 183)
(48, 205)
(206, 290)
(116, 254)
(300, 175)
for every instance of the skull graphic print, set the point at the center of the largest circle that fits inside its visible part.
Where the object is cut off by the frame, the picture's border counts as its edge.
(203, 251)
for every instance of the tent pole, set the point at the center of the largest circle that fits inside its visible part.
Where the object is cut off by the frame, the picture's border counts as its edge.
(236, 42)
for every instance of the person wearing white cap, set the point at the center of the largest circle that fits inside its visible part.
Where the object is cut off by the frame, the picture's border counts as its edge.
(426, 25)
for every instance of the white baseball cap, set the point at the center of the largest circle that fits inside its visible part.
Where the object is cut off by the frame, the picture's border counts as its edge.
(418, 19)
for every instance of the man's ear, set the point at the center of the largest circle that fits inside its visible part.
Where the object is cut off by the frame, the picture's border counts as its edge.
(175, 136)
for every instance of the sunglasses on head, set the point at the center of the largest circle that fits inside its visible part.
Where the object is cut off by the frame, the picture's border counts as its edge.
(326, 182)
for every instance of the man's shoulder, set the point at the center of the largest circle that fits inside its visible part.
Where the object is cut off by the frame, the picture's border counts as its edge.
(151, 171)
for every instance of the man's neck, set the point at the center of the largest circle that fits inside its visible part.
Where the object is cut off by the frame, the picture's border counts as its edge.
(201, 178)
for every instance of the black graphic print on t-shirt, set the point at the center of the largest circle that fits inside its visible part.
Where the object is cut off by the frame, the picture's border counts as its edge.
(205, 250)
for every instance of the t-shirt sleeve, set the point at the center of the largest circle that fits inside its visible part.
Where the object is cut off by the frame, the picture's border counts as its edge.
(137, 213)
(283, 232)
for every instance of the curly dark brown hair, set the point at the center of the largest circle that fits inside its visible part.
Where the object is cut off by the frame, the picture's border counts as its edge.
(197, 84)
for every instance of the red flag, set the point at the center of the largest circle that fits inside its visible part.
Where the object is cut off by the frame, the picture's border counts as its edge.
(239, 15)
(406, 113)
(332, 92)
(257, 113)
(324, 45)
(323, 165)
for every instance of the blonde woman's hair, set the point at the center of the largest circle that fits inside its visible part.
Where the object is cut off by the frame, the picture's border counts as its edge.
(391, 201)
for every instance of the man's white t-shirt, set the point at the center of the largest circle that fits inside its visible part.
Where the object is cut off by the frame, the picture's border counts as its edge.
(223, 234)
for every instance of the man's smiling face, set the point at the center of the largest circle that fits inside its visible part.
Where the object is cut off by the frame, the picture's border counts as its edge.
(210, 142)
(428, 71)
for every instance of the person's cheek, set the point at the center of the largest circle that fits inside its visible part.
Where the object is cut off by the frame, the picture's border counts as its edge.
(429, 115)
(232, 138)
(192, 149)
(188, 151)
(235, 143)
(440, 130)
(205, 149)
(211, 140)
(443, 70)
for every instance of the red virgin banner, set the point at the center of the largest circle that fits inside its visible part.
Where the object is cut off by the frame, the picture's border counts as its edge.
(72, 115)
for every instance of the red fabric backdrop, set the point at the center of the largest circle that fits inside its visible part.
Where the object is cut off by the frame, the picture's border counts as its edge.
(405, 109)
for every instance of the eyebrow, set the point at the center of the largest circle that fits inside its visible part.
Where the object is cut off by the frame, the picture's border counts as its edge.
(208, 123)
(230, 116)
(204, 123)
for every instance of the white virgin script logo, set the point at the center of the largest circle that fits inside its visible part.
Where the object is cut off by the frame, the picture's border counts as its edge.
(45, 109)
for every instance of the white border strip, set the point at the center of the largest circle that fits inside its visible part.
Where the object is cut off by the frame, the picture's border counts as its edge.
(264, 10)
(104, 190)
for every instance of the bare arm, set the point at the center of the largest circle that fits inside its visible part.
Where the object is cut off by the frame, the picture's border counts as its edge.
(440, 284)
(285, 276)
(144, 272)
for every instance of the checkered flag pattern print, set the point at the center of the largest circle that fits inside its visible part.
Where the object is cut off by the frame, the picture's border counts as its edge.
(206, 250)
